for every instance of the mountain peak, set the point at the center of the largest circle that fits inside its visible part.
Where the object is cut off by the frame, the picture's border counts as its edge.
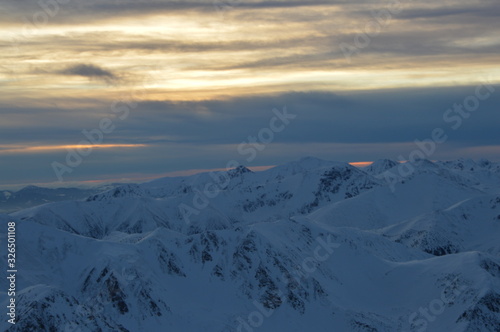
(485, 163)
(380, 166)
(31, 188)
(238, 171)
(462, 164)
(126, 190)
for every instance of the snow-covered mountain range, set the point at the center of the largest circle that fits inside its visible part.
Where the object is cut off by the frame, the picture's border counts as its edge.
(311, 245)
(30, 196)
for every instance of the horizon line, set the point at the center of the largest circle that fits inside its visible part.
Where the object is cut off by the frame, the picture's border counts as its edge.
(137, 178)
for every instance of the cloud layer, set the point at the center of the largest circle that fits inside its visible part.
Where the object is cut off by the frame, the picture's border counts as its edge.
(162, 136)
(365, 78)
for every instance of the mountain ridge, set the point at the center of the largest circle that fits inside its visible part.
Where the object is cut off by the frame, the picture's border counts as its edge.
(310, 245)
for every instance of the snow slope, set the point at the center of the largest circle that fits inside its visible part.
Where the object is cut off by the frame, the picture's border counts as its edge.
(12, 201)
(311, 245)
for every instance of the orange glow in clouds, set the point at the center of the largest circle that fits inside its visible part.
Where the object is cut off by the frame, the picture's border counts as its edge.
(44, 148)
(361, 163)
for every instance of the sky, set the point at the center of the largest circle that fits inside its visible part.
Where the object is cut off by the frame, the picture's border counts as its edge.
(119, 90)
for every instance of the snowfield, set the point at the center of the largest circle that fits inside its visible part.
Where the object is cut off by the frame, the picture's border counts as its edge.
(311, 245)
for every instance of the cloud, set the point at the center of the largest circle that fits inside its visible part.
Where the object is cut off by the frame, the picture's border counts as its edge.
(292, 44)
(384, 116)
(90, 71)
(493, 10)
(102, 10)
(170, 136)
(260, 55)
(12, 149)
